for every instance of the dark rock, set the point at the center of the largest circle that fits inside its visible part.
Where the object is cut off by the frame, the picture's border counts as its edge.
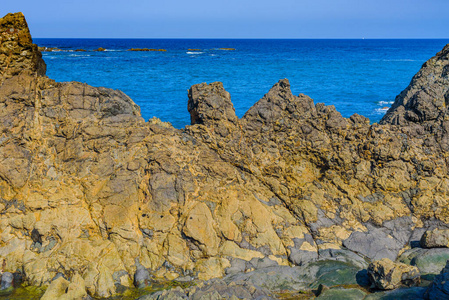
(424, 100)
(439, 288)
(147, 49)
(415, 293)
(209, 104)
(342, 294)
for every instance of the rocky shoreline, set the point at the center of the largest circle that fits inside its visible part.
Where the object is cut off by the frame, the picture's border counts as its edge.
(290, 201)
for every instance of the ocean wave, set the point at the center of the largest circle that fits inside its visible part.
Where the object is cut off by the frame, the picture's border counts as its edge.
(381, 111)
(393, 60)
(194, 52)
(383, 103)
(79, 55)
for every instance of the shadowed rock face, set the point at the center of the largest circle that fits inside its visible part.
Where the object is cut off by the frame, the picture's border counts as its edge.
(87, 187)
(425, 100)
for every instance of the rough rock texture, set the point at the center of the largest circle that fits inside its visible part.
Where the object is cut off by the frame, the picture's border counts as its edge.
(387, 275)
(88, 187)
(215, 289)
(435, 238)
(425, 99)
(17, 52)
(439, 289)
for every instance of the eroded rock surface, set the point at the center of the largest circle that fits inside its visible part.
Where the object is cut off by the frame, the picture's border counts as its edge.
(385, 274)
(87, 187)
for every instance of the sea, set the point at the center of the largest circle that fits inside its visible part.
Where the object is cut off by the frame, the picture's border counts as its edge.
(355, 75)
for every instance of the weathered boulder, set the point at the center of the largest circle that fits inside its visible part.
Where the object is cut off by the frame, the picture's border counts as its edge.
(435, 238)
(385, 274)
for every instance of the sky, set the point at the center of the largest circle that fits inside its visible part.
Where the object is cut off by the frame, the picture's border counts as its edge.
(234, 18)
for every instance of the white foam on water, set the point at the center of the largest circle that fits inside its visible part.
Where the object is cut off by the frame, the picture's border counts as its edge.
(381, 111)
(194, 52)
(383, 103)
(78, 55)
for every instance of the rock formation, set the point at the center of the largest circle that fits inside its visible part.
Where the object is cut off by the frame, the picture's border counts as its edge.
(388, 275)
(91, 191)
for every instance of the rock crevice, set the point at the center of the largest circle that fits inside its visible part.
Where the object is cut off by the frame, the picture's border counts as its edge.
(91, 191)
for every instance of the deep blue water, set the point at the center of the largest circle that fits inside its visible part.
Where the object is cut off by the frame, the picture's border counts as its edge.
(357, 76)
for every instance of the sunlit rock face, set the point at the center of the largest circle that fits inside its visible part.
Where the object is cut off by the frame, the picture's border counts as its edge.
(91, 191)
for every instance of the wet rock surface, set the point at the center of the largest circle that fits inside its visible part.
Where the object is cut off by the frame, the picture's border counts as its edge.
(215, 289)
(290, 196)
(439, 289)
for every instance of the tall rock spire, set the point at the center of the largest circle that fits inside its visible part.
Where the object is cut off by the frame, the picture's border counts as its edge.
(17, 51)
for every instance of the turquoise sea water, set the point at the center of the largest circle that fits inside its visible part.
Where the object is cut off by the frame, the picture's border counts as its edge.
(357, 76)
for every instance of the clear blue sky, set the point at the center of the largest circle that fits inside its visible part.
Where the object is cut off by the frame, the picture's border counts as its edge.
(235, 18)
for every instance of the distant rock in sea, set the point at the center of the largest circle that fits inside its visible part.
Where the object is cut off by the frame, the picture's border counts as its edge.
(146, 49)
(290, 197)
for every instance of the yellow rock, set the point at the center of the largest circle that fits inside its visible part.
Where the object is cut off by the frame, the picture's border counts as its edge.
(199, 225)
(178, 252)
(56, 289)
(232, 249)
(211, 268)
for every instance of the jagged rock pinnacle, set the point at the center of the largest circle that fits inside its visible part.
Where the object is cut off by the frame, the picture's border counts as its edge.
(426, 98)
(17, 51)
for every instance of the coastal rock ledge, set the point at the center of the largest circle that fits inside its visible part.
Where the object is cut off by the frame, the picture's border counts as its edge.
(93, 194)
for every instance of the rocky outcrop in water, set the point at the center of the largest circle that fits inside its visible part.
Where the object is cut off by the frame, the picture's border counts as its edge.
(424, 101)
(91, 191)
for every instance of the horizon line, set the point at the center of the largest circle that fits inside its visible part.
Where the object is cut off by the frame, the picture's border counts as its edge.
(245, 38)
